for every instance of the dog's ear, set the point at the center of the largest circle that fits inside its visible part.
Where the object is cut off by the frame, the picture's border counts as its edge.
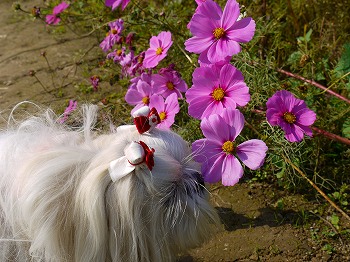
(45, 203)
(91, 229)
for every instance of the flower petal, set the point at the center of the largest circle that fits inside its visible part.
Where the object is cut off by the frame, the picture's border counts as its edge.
(273, 116)
(154, 42)
(172, 104)
(214, 107)
(198, 45)
(198, 105)
(215, 128)
(232, 171)
(197, 29)
(205, 150)
(239, 93)
(293, 133)
(157, 102)
(242, 31)
(235, 119)
(306, 117)
(230, 14)
(252, 153)
(210, 9)
(133, 97)
(212, 170)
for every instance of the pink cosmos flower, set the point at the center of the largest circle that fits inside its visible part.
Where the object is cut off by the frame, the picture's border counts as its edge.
(291, 114)
(139, 94)
(169, 81)
(217, 33)
(95, 82)
(54, 19)
(113, 36)
(218, 151)
(136, 66)
(146, 77)
(216, 87)
(70, 108)
(166, 109)
(115, 3)
(159, 46)
(117, 55)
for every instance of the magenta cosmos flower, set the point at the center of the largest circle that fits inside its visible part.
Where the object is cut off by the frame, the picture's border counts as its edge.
(159, 46)
(216, 87)
(54, 19)
(113, 36)
(69, 109)
(166, 109)
(218, 151)
(217, 33)
(139, 93)
(291, 114)
(115, 3)
(169, 81)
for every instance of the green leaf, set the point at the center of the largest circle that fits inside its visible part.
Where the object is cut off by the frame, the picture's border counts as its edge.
(308, 36)
(334, 219)
(343, 65)
(346, 128)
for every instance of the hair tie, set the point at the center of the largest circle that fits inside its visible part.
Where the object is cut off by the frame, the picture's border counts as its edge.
(135, 154)
(146, 119)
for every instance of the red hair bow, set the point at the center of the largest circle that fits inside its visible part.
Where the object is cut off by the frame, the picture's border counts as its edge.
(146, 119)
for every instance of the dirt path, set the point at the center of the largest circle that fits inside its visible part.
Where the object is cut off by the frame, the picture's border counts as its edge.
(255, 227)
(22, 43)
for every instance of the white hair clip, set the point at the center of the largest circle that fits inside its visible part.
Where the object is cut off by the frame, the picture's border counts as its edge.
(136, 154)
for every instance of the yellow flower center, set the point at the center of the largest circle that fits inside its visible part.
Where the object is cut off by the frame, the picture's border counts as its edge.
(218, 32)
(170, 85)
(114, 32)
(145, 100)
(159, 51)
(162, 116)
(228, 147)
(218, 94)
(119, 52)
(289, 117)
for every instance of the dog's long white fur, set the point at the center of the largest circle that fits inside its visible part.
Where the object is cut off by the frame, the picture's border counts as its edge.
(58, 203)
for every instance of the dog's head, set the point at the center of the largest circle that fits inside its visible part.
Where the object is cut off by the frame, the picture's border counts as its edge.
(144, 196)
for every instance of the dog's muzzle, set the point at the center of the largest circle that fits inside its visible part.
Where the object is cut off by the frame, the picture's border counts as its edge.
(198, 186)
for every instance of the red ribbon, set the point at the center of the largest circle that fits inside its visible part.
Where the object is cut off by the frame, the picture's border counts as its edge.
(149, 158)
(144, 123)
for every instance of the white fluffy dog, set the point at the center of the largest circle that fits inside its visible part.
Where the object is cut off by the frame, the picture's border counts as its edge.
(73, 195)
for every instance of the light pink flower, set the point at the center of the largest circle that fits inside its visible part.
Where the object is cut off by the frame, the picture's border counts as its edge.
(166, 109)
(140, 92)
(159, 46)
(169, 81)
